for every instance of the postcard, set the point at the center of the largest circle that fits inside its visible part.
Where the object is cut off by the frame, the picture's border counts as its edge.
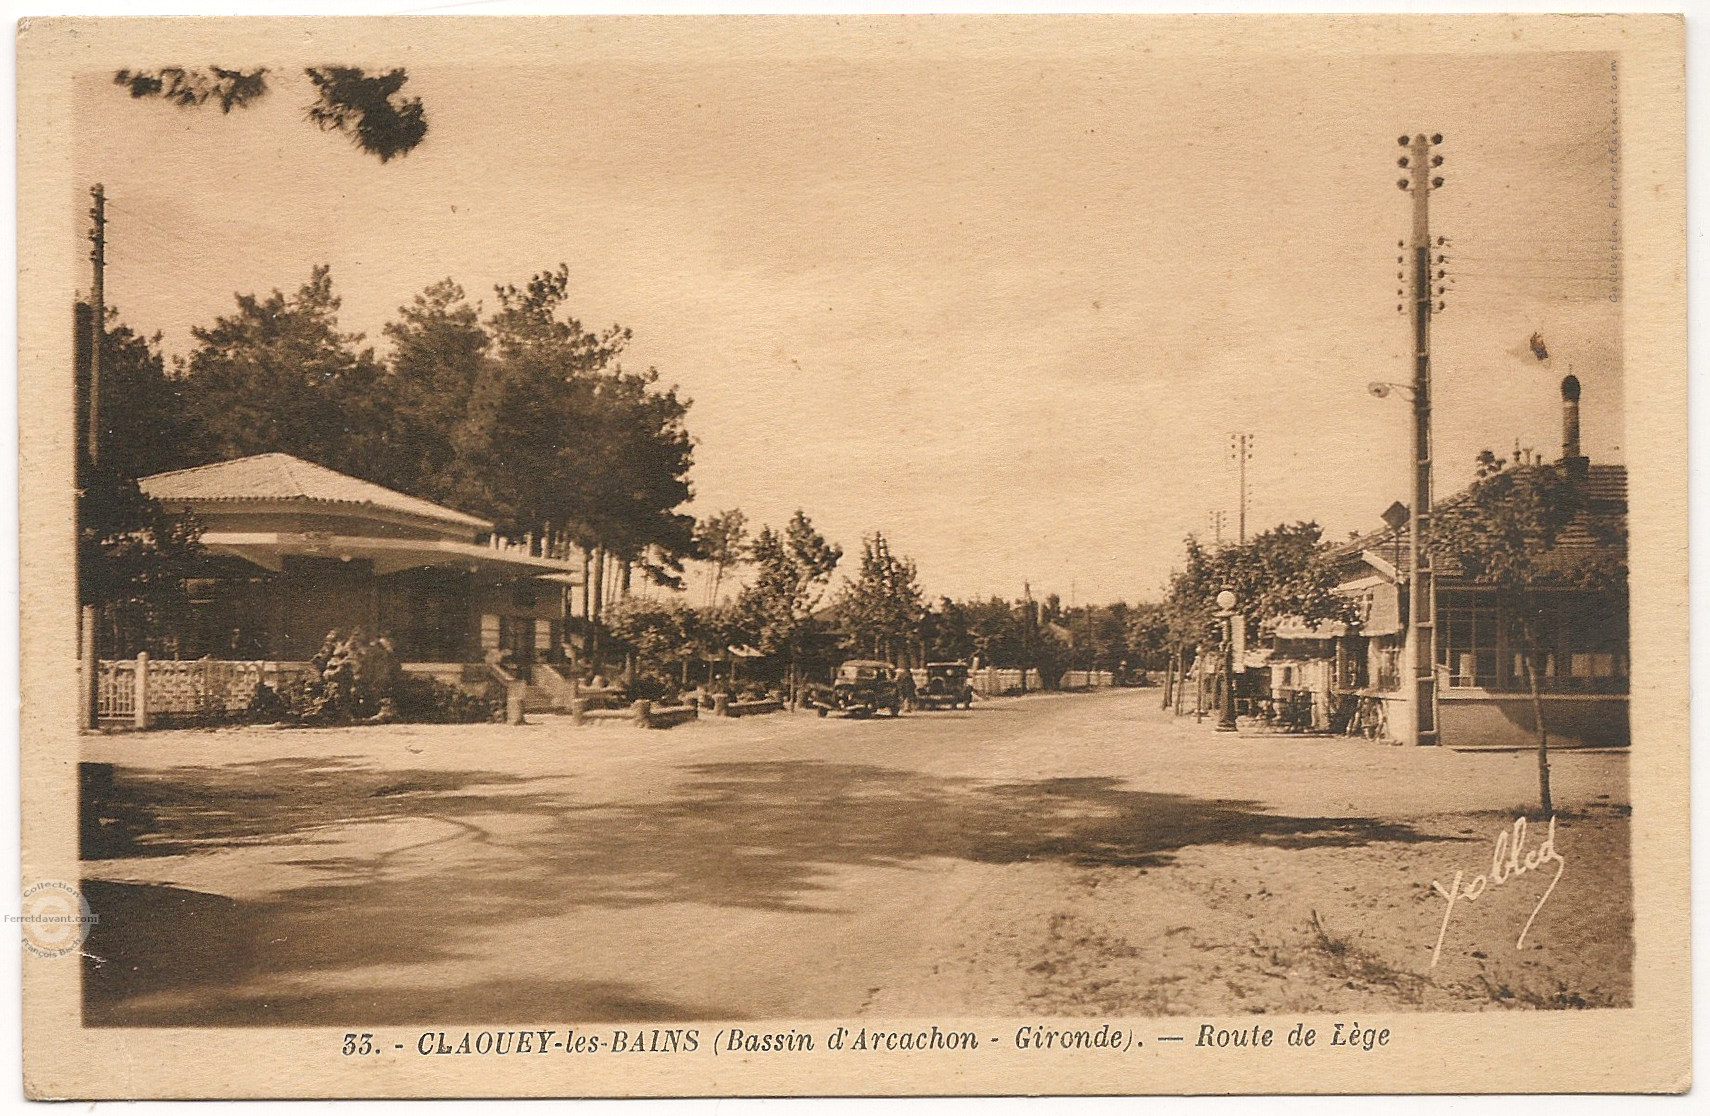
(863, 555)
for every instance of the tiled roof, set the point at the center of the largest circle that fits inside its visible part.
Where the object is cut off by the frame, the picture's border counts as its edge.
(1606, 496)
(279, 476)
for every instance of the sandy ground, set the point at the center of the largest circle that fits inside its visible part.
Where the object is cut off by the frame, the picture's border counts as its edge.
(1053, 855)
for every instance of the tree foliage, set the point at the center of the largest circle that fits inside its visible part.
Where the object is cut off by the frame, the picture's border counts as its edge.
(439, 353)
(132, 561)
(721, 541)
(881, 608)
(144, 423)
(279, 376)
(525, 417)
(367, 108)
(792, 569)
(1505, 533)
(557, 434)
(193, 88)
(1286, 571)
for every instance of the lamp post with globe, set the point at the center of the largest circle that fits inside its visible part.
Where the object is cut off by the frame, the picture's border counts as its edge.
(1226, 613)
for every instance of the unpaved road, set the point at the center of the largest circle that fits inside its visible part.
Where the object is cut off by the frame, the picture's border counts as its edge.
(1051, 855)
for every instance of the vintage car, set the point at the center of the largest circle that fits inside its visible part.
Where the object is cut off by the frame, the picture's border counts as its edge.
(860, 688)
(943, 686)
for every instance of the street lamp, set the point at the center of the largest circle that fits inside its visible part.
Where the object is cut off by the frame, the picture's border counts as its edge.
(1226, 613)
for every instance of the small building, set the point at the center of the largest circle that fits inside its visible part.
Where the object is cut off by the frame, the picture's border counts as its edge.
(1353, 673)
(295, 550)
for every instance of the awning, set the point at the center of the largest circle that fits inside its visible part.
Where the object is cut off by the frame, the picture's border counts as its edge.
(269, 549)
(1293, 627)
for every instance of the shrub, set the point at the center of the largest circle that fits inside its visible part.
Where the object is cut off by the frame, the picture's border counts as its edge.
(357, 679)
(428, 700)
(268, 705)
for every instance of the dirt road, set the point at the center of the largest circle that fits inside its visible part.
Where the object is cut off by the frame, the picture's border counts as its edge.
(1062, 854)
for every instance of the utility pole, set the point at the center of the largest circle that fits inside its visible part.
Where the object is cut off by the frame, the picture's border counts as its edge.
(1215, 520)
(98, 314)
(1241, 452)
(1420, 653)
(1027, 633)
(89, 644)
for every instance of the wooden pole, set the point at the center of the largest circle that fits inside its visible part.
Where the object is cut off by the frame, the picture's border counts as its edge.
(90, 615)
(1421, 646)
(98, 316)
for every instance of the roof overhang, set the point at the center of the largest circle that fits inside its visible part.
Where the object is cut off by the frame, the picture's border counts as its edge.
(1293, 627)
(212, 511)
(1381, 564)
(269, 549)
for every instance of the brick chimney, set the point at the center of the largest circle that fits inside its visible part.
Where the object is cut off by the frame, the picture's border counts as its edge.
(1576, 464)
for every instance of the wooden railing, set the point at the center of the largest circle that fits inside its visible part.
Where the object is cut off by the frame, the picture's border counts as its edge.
(142, 689)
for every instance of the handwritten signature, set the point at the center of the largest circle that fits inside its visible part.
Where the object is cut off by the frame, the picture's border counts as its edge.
(1505, 864)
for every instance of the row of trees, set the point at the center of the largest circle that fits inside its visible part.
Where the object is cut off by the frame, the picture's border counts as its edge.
(520, 414)
(789, 610)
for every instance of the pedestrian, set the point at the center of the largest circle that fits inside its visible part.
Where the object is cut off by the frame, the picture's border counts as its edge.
(905, 688)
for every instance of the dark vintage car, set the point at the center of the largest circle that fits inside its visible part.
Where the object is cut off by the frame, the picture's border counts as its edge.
(860, 688)
(943, 686)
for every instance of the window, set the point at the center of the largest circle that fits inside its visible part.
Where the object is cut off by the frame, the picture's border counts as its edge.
(1467, 645)
(1595, 652)
(1387, 668)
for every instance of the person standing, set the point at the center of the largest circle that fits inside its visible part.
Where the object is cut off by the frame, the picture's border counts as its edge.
(905, 688)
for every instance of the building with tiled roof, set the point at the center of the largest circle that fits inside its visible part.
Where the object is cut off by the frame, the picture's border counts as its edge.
(1352, 676)
(279, 478)
(295, 550)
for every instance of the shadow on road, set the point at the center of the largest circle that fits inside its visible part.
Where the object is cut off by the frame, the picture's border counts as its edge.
(763, 835)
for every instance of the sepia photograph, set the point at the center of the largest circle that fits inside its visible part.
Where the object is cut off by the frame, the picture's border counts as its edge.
(600, 536)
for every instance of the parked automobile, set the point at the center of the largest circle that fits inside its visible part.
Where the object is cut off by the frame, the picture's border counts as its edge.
(943, 686)
(859, 688)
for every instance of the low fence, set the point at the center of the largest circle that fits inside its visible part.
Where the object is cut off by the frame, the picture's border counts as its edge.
(648, 715)
(143, 690)
(749, 708)
(1086, 679)
(992, 682)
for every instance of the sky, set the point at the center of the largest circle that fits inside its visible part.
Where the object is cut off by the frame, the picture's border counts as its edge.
(1005, 309)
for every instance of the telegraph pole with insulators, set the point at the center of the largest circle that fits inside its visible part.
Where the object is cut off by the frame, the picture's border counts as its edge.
(97, 316)
(1420, 654)
(89, 648)
(1241, 452)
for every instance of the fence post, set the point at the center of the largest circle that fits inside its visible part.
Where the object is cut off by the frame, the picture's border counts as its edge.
(514, 702)
(89, 716)
(139, 717)
(643, 710)
(578, 710)
(721, 705)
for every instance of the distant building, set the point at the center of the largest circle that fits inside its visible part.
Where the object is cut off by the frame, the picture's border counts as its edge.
(295, 550)
(1350, 675)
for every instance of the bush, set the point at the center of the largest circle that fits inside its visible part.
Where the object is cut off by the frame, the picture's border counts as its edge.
(428, 700)
(357, 679)
(268, 705)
